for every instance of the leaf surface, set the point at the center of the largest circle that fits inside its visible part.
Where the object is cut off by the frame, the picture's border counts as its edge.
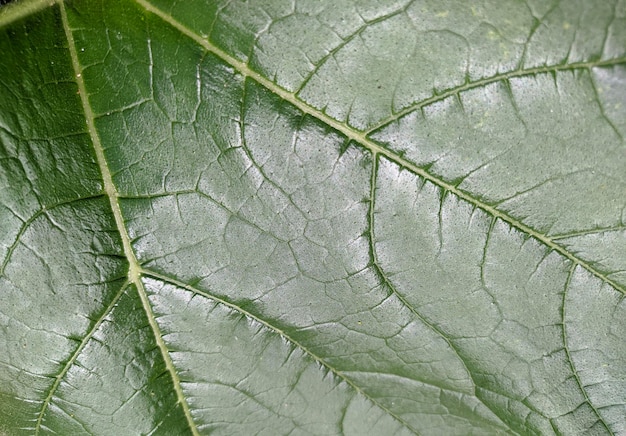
(313, 217)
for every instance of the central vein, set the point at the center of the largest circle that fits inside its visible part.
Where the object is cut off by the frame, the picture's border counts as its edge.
(109, 188)
(134, 269)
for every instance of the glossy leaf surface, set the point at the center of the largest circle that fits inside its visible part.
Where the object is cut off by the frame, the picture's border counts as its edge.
(354, 217)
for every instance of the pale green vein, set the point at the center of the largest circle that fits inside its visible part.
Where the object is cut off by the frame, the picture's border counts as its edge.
(607, 119)
(346, 41)
(219, 204)
(492, 79)
(26, 224)
(385, 280)
(281, 333)
(134, 271)
(59, 378)
(569, 357)
(362, 138)
(600, 230)
(21, 9)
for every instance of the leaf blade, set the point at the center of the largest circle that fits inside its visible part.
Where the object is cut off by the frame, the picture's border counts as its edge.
(236, 190)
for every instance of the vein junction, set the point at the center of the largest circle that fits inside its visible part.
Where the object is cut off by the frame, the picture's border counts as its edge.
(134, 271)
(362, 139)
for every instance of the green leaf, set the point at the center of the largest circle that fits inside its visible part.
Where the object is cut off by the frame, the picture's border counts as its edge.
(277, 217)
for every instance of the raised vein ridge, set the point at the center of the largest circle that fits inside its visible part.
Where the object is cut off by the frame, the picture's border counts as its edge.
(59, 378)
(16, 11)
(385, 280)
(362, 139)
(134, 270)
(486, 81)
(280, 332)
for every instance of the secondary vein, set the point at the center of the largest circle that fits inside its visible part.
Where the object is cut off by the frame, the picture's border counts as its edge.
(321, 361)
(362, 139)
(488, 80)
(59, 378)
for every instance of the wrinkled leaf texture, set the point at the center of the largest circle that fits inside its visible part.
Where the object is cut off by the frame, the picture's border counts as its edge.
(313, 217)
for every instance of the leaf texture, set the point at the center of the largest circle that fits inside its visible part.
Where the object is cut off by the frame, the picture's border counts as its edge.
(283, 217)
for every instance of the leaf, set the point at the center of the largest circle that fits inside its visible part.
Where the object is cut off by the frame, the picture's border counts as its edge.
(315, 217)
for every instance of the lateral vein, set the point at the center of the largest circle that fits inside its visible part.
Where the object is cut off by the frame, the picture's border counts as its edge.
(321, 361)
(362, 139)
(59, 378)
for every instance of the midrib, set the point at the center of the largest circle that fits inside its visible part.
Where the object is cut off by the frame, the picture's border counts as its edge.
(134, 272)
(134, 269)
(362, 139)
